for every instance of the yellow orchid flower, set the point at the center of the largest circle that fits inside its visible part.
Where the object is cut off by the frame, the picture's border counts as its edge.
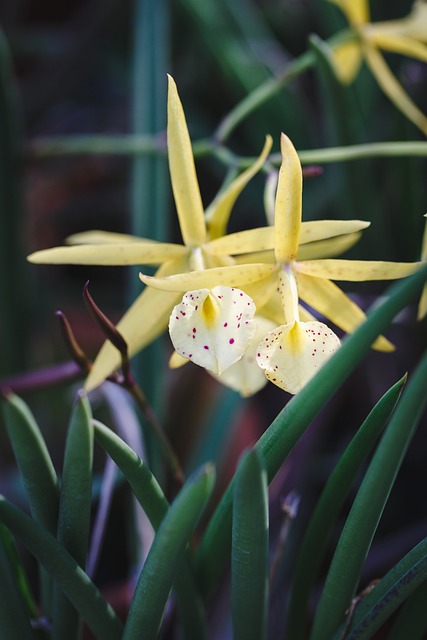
(309, 280)
(407, 36)
(147, 318)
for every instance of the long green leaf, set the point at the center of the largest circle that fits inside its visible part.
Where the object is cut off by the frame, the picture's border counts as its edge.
(151, 498)
(37, 472)
(144, 485)
(165, 555)
(412, 619)
(396, 586)
(314, 544)
(362, 521)
(63, 568)
(283, 433)
(14, 620)
(74, 509)
(21, 578)
(249, 553)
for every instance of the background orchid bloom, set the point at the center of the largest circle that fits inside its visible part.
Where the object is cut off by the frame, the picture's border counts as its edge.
(407, 36)
(148, 317)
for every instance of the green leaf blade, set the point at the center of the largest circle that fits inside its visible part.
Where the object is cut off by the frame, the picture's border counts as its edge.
(63, 568)
(74, 509)
(14, 620)
(313, 547)
(249, 556)
(362, 521)
(157, 576)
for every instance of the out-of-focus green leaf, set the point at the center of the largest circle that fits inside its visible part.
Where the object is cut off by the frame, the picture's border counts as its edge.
(151, 498)
(149, 189)
(144, 485)
(74, 510)
(249, 551)
(397, 585)
(282, 435)
(37, 472)
(14, 620)
(165, 555)
(361, 524)
(63, 568)
(412, 619)
(22, 582)
(314, 544)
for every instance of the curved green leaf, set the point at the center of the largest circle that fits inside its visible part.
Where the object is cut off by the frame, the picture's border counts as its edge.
(360, 526)
(37, 472)
(313, 547)
(249, 552)
(151, 498)
(283, 433)
(165, 555)
(74, 509)
(396, 586)
(76, 585)
(412, 619)
(14, 620)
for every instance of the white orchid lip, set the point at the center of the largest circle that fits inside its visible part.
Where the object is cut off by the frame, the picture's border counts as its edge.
(213, 327)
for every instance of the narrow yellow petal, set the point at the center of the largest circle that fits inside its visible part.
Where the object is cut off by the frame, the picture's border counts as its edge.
(262, 238)
(234, 276)
(399, 44)
(346, 60)
(393, 89)
(213, 328)
(328, 299)
(102, 237)
(292, 354)
(247, 241)
(245, 376)
(143, 322)
(256, 256)
(356, 11)
(324, 229)
(110, 254)
(327, 248)
(288, 208)
(218, 212)
(183, 173)
(357, 270)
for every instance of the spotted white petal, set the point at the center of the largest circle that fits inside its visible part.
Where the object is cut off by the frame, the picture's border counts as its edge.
(291, 354)
(213, 327)
(245, 376)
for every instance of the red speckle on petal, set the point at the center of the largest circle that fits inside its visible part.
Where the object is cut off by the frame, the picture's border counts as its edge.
(225, 324)
(206, 347)
(231, 341)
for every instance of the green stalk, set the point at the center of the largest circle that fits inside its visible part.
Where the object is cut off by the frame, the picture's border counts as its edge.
(149, 188)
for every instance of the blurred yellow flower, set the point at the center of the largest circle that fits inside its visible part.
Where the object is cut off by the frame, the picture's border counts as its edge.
(407, 36)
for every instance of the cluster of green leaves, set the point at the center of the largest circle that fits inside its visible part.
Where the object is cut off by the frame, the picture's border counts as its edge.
(57, 531)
